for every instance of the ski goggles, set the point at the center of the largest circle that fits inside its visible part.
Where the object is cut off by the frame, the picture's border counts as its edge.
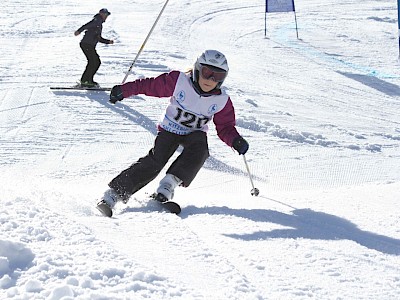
(213, 73)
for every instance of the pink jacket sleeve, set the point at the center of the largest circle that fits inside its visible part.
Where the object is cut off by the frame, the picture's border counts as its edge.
(225, 123)
(160, 86)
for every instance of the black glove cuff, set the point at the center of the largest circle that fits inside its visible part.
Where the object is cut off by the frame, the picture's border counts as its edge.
(116, 94)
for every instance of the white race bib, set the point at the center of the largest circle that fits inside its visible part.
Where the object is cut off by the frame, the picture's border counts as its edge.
(188, 111)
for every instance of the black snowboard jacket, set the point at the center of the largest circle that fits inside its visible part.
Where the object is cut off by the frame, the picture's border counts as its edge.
(93, 31)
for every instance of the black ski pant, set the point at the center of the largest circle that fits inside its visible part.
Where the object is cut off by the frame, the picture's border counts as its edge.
(185, 167)
(93, 61)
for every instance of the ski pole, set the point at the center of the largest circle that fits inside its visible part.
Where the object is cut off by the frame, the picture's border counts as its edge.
(141, 48)
(254, 191)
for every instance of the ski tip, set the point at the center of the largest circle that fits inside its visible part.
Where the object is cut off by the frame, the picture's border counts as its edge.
(169, 205)
(104, 209)
(172, 207)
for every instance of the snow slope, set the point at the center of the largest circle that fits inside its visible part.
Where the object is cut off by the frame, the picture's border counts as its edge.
(321, 114)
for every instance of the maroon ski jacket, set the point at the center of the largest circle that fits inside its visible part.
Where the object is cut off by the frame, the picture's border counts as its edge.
(177, 85)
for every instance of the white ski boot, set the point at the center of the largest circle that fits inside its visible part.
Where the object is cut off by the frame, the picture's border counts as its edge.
(107, 202)
(167, 187)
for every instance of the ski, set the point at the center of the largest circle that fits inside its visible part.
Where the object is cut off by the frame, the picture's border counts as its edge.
(169, 205)
(79, 88)
(104, 208)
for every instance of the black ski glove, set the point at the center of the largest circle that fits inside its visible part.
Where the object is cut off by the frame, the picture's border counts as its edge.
(240, 145)
(116, 94)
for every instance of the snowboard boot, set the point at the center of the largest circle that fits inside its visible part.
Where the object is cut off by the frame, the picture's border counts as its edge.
(165, 191)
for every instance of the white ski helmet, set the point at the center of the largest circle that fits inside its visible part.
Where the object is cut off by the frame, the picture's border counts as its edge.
(211, 58)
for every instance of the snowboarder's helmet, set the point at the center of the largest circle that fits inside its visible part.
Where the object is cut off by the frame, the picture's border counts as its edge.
(215, 61)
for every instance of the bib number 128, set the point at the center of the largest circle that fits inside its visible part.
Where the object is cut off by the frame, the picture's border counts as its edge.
(190, 120)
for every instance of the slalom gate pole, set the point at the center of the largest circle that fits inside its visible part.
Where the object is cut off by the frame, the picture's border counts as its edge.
(398, 21)
(295, 20)
(265, 18)
(144, 43)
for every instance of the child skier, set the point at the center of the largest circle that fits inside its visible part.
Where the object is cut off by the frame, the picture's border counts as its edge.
(195, 98)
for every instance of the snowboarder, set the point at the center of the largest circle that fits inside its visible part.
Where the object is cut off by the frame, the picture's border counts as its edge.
(88, 45)
(195, 98)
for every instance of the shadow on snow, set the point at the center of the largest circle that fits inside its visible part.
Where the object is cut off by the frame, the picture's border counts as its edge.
(303, 223)
(375, 83)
